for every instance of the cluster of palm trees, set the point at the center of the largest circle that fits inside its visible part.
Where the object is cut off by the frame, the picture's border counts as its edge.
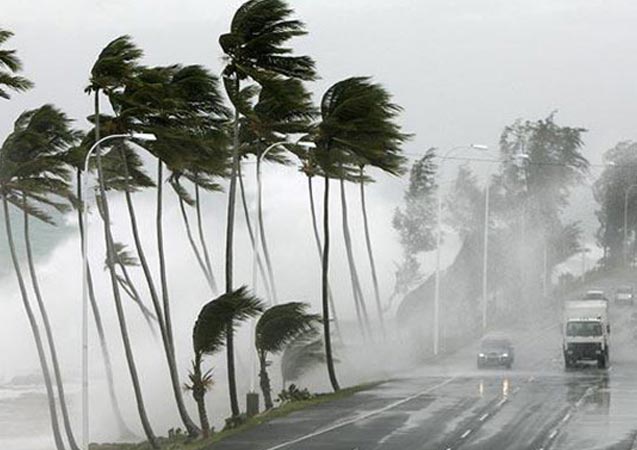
(201, 142)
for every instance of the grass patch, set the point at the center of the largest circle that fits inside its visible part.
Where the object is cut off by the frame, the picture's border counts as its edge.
(183, 443)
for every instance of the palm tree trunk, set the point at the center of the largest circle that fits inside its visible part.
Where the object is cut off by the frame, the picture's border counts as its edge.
(198, 393)
(195, 250)
(110, 251)
(48, 331)
(261, 231)
(106, 357)
(325, 286)
(167, 343)
(232, 384)
(57, 437)
(232, 192)
(370, 254)
(317, 239)
(359, 301)
(246, 213)
(264, 381)
(191, 427)
(202, 240)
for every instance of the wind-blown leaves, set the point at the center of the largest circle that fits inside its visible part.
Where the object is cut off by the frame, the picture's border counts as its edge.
(209, 332)
(10, 64)
(281, 324)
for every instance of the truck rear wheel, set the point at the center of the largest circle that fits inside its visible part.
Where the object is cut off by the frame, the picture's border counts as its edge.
(601, 362)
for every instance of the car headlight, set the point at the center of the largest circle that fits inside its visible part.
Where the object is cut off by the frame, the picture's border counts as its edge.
(505, 355)
(480, 355)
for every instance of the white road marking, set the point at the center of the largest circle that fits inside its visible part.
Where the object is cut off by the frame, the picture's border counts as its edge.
(501, 402)
(363, 416)
(484, 416)
(553, 433)
(465, 434)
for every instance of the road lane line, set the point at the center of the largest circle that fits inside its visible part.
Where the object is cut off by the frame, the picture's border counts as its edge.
(465, 434)
(364, 416)
(484, 416)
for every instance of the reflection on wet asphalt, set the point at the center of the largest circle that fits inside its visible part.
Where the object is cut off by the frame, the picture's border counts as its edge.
(452, 405)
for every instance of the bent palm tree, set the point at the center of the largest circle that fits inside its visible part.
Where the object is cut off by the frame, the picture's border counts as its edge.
(9, 65)
(255, 50)
(22, 166)
(116, 63)
(357, 121)
(215, 328)
(276, 328)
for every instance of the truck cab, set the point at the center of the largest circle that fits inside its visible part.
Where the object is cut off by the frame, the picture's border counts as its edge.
(586, 333)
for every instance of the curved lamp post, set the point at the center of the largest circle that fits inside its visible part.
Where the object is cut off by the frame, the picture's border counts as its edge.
(255, 247)
(85, 302)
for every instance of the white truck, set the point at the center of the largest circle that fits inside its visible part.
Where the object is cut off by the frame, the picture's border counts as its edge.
(586, 332)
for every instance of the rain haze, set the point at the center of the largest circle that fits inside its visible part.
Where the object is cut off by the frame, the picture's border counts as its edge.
(517, 115)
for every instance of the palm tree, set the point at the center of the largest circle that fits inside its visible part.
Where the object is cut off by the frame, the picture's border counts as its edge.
(310, 169)
(276, 328)
(357, 121)
(357, 291)
(117, 63)
(28, 170)
(215, 328)
(182, 106)
(9, 65)
(255, 50)
(392, 163)
(49, 127)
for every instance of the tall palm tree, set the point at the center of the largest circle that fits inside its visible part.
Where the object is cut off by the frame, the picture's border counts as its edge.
(276, 328)
(10, 64)
(117, 62)
(255, 49)
(357, 291)
(52, 188)
(310, 169)
(357, 121)
(393, 163)
(215, 328)
(27, 171)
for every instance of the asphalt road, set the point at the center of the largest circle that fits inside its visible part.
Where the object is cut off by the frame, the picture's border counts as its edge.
(452, 405)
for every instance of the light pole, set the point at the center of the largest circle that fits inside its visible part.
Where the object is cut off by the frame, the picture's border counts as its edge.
(85, 294)
(438, 242)
(255, 250)
(625, 246)
(485, 248)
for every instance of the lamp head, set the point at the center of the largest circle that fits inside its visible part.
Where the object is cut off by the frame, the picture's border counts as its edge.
(144, 136)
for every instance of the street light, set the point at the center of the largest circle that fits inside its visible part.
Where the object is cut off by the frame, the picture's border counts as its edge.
(485, 255)
(140, 137)
(438, 242)
(255, 249)
(626, 194)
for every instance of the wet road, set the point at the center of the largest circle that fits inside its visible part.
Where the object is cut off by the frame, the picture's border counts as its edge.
(451, 405)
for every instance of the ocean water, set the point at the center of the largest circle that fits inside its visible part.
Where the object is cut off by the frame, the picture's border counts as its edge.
(24, 418)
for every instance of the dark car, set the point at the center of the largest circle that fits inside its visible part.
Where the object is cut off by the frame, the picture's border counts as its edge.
(495, 352)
